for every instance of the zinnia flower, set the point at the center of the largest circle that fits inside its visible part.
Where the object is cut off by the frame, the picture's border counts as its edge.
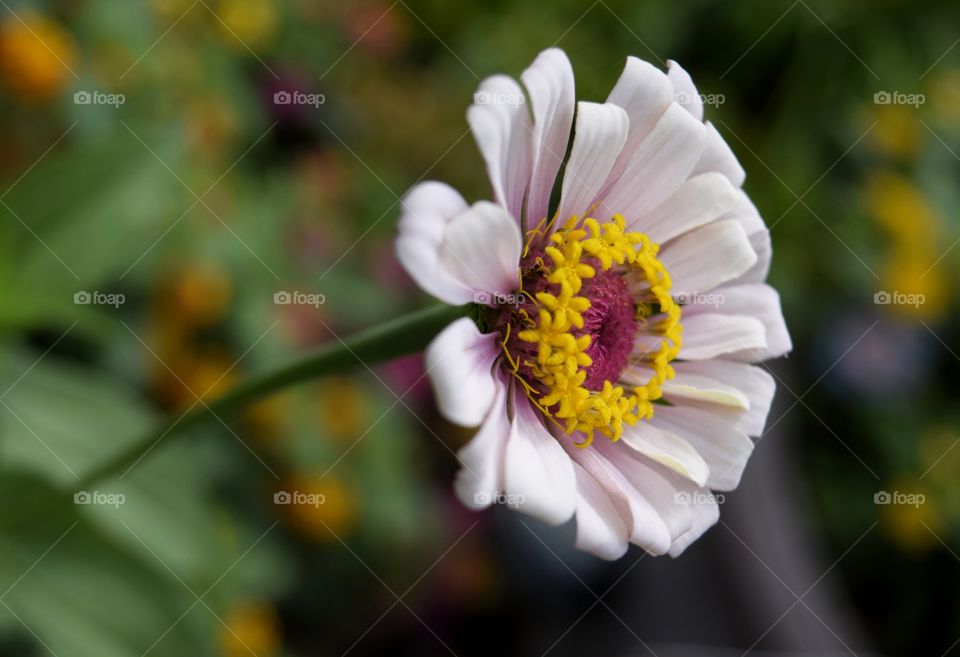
(610, 373)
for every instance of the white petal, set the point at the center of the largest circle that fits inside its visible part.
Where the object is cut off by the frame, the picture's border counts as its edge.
(708, 335)
(718, 156)
(749, 217)
(480, 478)
(459, 362)
(760, 241)
(667, 449)
(644, 92)
(500, 123)
(427, 209)
(706, 257)
(684, 91)
(646, 527)
(659, 164)
(706, 512)
(658, 487)
(755, 383)
(723, 447)
(762, 303)
(549, 80)
(747, 214)
(600, 528)
(689, 384)
(538, 472)
(700, 200)
(601, 133)
(482, 247)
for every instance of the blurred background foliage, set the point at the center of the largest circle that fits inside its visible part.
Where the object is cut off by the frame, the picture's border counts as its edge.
(199, 198)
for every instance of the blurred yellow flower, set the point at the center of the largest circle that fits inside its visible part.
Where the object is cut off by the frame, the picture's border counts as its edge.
(911, 282)
(945, 95)
(914, 286)
(910, 517)
(248, 23)
(268, 416)
(901, 209)
(199, 294)
(252, 627)
(940, 461)
(211, 374)
(186, 373)
(897, 132)
(35, 57)
(317, 505)
(940, 453)
(212, 124)
(341, 408)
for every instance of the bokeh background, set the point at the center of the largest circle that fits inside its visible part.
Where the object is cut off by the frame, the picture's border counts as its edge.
(155, 197)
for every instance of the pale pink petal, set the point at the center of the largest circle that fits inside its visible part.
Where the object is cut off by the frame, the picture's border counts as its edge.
(427, 209)
(601, 133)
(717, 156)
(706, 512)
(757, 301)
(722, 446)
(459, 363)
(709, 335)
(549, 81)
(760, 241)
(667, 449)
(700, 200)
(480, 478)
(538, 473)
(706, 257)
(644, 92)
(645, 526)
(690, 384)
(662, 489)
(754, 383)
(658, 166)
(684, 91)
(759, 235)
(482, 248)
(601, 530)
(500, 123)
(747, 214)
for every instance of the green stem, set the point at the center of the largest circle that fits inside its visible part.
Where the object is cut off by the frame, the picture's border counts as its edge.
(398, 337)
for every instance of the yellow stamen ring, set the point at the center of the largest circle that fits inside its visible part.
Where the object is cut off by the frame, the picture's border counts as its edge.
(561, 358)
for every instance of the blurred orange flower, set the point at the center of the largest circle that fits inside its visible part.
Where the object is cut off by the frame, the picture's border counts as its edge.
(35, 57)
(252, 627)
(321, 507)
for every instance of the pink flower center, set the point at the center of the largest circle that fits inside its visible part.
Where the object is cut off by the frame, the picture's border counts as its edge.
(609, 321)
(586, 293)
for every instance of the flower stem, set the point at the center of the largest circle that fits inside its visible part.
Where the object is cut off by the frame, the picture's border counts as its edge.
(401, 336)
